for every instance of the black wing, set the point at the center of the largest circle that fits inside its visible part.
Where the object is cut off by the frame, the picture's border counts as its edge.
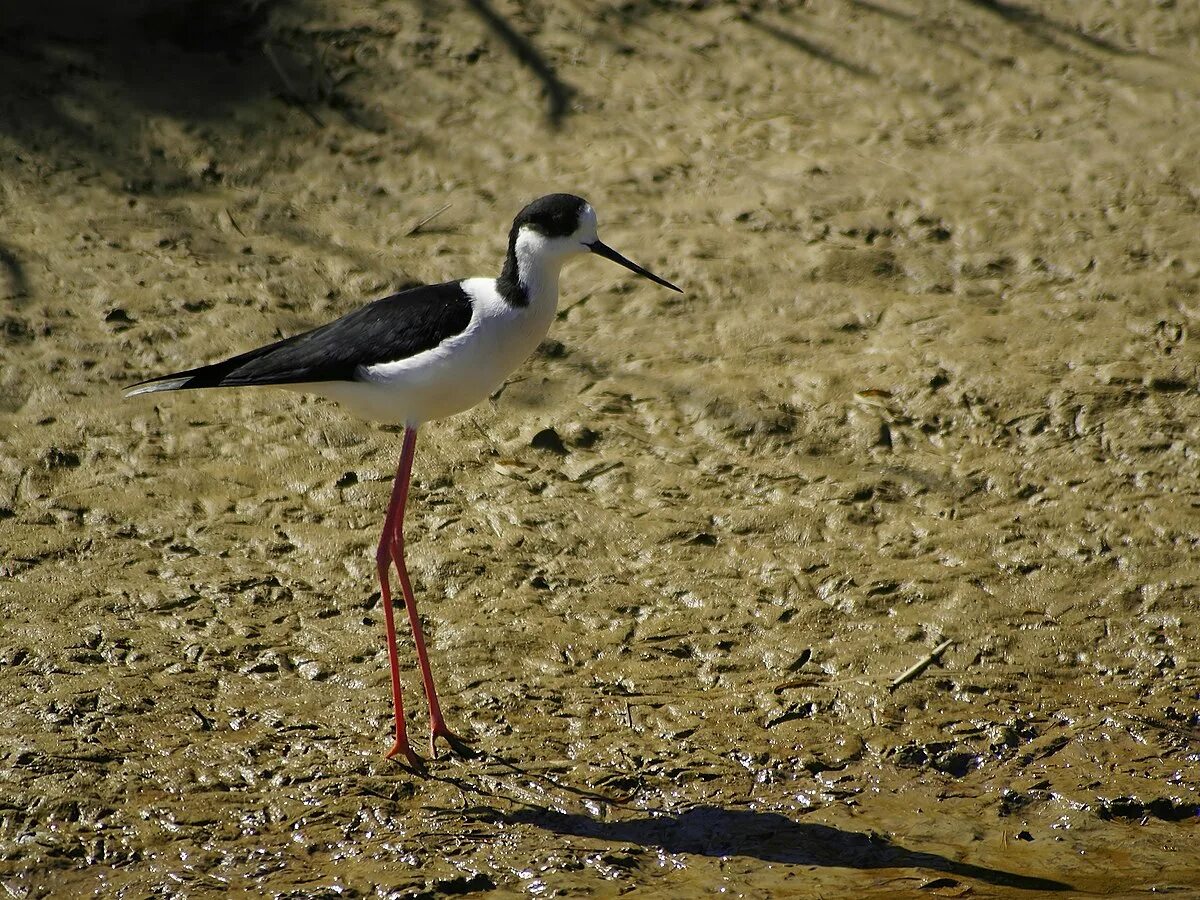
(387, 330)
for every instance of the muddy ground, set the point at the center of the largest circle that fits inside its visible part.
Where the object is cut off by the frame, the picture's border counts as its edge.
(933, 378)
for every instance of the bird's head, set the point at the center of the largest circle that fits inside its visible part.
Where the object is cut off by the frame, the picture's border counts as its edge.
(557, 226)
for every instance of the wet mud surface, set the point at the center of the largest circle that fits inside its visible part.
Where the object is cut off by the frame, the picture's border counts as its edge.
(933, 379)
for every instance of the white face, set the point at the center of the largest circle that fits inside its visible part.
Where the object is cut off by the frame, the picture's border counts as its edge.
(532, 245)
(586, 232)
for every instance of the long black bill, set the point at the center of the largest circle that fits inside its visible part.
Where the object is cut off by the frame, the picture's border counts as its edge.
(602, 249)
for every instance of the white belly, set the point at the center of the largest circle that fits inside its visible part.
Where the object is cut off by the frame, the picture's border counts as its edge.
(457, 374)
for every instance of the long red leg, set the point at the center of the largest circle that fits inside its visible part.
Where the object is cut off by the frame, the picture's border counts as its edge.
(383, 558)
(437, 724)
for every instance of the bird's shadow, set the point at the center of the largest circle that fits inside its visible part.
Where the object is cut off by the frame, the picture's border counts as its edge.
(770, 837)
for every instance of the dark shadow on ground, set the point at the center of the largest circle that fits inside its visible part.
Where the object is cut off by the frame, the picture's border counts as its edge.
(558, 93)
(1043, 27)
(13, 283)
(919, 26)
(813, 49)
(770, 837)
(81, 80)
(176, 56)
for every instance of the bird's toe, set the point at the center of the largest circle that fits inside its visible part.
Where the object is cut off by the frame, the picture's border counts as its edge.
(458, 746)
(403, 748)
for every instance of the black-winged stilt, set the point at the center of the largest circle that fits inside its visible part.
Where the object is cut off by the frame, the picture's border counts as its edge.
(418, 355)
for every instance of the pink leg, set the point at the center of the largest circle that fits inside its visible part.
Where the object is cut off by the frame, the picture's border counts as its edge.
(383, 558)
(436, 722)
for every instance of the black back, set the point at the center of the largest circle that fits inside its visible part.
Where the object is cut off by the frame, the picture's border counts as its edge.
(387, 330)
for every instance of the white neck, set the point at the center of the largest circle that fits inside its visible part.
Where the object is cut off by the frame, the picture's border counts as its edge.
(538, 267)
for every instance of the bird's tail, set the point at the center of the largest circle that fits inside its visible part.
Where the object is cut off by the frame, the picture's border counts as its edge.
(271, 364)
(167, 383)
(202, 377)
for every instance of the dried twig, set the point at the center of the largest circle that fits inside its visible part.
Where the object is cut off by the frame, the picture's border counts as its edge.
(425, 221)
(293, 94)
(600, 468)
(921, 665)
(806, 681)
(233, 222)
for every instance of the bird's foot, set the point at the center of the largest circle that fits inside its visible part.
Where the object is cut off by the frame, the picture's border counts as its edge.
(403, 747)
(459, 746)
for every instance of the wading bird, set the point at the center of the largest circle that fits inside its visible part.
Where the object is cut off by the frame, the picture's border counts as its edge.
(424, 354)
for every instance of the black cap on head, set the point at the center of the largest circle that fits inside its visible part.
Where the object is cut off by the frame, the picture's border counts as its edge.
(558, 216)
(555, 215)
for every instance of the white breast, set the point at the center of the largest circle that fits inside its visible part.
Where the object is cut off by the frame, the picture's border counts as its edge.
(458, 373)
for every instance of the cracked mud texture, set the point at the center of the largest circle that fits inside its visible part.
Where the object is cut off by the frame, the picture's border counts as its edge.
(934, 376)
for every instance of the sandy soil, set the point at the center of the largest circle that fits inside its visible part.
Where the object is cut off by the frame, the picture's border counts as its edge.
(932, 379)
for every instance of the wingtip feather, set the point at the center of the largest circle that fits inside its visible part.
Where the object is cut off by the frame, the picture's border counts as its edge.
(150, 387)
